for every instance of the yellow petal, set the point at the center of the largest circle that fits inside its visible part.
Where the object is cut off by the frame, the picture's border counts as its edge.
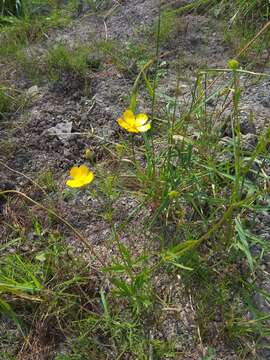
(81, 181)
(84, 171)
(141, 119)
(125, 125)
(128, 116)
(89, 178)
(144, 128)
(74, 183)
(133, 129)
(74, 171)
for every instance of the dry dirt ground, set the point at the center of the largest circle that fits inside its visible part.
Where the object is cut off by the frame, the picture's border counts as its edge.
(29, 146)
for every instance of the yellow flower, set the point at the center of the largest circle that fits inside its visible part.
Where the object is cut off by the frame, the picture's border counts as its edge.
(81, 176)
(134, 123)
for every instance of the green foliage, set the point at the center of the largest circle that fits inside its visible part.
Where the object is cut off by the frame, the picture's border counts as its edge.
(5, 102)
(242, 11)
(10, 7)
(61, 59)
(47, 180)
(128, 57)
(168, 26)
(31, 26)
(136, 288)
(10, 101)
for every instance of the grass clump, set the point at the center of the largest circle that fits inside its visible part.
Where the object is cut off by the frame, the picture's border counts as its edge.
(128, 57)
(249, 12)
(31, 26)
(11, 100)
(168, 26)
(5, 102)
(61, 58)
(10, 7)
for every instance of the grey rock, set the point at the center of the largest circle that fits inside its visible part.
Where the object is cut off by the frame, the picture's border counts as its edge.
(61, 130)
(246, 125)
(266, 101)
(33, 90)
(249, 142)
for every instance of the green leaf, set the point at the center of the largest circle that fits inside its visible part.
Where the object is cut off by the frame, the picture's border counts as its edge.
(104, 302)
(115, 268)
(133, 100)
(181, 266)
(5, 308)
(41, 257)
(123, 287)
(149, 87)
(126, 255)
(242, 244)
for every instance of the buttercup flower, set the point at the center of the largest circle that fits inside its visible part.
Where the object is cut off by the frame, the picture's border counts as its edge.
(134, 123)
(80, 175)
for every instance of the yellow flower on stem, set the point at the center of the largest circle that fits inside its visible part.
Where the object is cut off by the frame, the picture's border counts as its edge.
(134, 123)
(80, 176)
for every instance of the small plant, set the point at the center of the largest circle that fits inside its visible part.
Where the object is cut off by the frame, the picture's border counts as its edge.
(10, 7)
(18, 32)
(47, 180)
(5, 102)
(10, 101)
(62, 59)
(168, 26)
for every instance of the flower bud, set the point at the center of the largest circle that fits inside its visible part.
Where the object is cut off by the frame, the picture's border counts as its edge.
(233, 64)
(173, 194)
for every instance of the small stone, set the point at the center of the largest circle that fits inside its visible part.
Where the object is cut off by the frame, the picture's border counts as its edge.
(246, 125)
(61, 130)
(266, 101)
(249, 142)
(32, 91)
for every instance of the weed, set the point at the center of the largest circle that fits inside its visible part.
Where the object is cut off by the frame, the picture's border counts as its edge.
(47, 180)
(128, 58)
(10, 101)
(62, 59)
(10, 7)
(5, 102)
(168, 26)
(19, 32)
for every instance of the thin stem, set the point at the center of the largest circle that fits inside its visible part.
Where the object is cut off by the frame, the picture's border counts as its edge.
(155, 83)
(133, 149)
